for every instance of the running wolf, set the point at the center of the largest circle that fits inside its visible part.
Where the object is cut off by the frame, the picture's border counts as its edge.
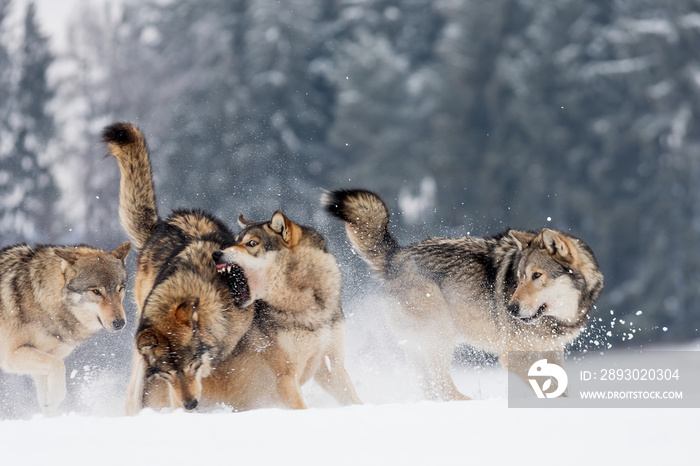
(516, 291)
(298, 330)
(190, 316)
(52, 298)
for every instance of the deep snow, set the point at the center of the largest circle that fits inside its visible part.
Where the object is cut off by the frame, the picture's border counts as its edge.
(408, 432)
(419, 433)
(394, 427)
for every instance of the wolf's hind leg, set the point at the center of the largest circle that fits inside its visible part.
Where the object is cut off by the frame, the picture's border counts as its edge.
(332, 376)
(421, 318)
(433, 361)
(339, 385)
(442, 383)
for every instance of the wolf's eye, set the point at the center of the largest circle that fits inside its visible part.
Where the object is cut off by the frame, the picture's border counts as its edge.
(156, 372)
(167, 376)
(252, 243)
(536, 275)
(97, 292)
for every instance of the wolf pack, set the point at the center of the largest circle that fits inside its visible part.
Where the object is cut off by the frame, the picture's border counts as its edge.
(244, 319)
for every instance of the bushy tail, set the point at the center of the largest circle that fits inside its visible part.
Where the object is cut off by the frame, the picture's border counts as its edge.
(137, 198)
(366, 223)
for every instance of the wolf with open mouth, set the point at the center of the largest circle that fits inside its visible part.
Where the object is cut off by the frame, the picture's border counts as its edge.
(298, 329)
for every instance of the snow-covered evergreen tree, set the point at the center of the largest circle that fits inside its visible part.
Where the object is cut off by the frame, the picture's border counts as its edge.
(107, 80)
(481, 115)
(28, 188)
(6, 136)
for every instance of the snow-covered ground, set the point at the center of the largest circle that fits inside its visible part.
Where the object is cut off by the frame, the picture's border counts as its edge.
(394, 427)
(409, 433)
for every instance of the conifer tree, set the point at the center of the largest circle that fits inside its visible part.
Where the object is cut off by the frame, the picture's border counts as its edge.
(26, 212)
(5, 131)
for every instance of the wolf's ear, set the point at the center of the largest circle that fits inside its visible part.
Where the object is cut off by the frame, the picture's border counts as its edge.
(522, 238)
(290, 231)
(556, 244)
(68, 257)
(146, 342)
(186, 313)
(122, 251)
(243, 223)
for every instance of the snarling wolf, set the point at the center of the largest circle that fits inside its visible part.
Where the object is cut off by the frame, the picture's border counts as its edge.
(298, 330)
(52, 298)
(516, 291)
(190, 316)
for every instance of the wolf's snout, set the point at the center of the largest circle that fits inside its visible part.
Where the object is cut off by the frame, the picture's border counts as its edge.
(192, 404)
(514, 309)
(118, 324)
(216, 255)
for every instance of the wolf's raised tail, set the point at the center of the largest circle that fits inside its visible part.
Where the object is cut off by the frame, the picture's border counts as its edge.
(137, 199)
(366, 223)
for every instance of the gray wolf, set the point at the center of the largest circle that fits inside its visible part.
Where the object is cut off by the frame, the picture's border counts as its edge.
(53, 298)
(298, 330)
(515, 291)
(190, 317)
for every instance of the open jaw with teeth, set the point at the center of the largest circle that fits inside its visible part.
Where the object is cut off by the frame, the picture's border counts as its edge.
(235, 279)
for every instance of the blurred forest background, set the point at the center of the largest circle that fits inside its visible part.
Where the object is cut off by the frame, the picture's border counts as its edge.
(467, 116)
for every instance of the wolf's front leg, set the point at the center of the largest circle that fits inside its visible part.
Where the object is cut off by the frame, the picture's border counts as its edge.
(134, 391)
(286, 379)
(48, 372)
(41, 383)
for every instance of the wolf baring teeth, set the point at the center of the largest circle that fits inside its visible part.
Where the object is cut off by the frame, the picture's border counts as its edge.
(298, 329)
(516, 291)
(236, 280)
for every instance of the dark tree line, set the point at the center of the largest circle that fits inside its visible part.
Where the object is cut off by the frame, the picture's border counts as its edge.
(466, 115)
